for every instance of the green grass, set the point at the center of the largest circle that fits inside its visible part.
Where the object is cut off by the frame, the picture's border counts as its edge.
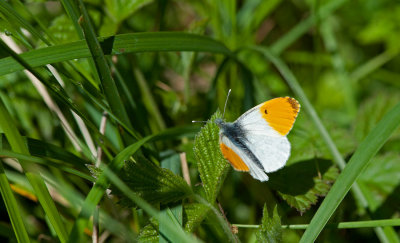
(96, 132)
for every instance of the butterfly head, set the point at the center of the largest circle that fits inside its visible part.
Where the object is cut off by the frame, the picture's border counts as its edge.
(219, 122)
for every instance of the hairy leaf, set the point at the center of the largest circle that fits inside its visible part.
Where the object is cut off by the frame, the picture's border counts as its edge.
(301, 184)
(270, 230)
(149, 233)
(152, 183)
(212, 165)
(307, 142)
(372, 111)
(193, 215)
(381, 182)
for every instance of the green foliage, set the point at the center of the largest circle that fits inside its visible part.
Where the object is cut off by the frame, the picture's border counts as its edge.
(128, 77)
(380, 181)
(154, 184)
(307, 143)
(194, 214)
(372, 111)
(270, 230)
(210, 162)
(121, 44)
(121, 9)
(63, 30)
(149, 233)
(300, 184)
(382, 28)
(360, 159)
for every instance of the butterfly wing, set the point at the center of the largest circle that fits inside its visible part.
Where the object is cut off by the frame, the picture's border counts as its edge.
(272, 152)
(266, 126)
(240, 159)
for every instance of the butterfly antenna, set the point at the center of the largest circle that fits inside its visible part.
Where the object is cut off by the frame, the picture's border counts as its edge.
(199, 121)
(226, 102)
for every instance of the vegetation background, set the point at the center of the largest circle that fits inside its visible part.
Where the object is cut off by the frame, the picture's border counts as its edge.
(97, 142)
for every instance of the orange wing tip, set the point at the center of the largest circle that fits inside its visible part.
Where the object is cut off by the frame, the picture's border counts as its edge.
(280, 113)
(233, 158)
(295, 105)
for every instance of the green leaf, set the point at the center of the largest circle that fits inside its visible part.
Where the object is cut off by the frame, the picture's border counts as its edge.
(121, 9)
(367, 149)
(382, 29)
(316, 177)
(212, 165)
(193, 215)
(149, 233)
(97, 191)
(372, 111)
(152, 183)
(307, 143)
(63, 30)
(270, 230)
(176, 233)
(380, 182)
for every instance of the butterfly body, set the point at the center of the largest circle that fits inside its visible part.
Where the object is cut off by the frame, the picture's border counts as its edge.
(256, 142)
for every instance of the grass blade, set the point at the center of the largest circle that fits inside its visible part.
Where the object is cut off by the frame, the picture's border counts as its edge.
(38, 160)
(12, 208)
(367, 149)
(73, 13)
(107, 82)
(117, 45)
(14, 18)
(341, 225)
(372, 65)
(17, 144)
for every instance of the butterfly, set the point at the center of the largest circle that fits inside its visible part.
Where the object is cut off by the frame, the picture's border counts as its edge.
(256, 142)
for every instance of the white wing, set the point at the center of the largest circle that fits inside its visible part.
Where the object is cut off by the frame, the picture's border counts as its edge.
(272, 152)
(270, 147)
(254, 170)
(252, 121)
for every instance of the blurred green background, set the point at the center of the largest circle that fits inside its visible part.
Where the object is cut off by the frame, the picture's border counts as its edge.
(344, 55)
